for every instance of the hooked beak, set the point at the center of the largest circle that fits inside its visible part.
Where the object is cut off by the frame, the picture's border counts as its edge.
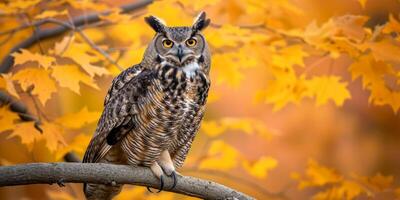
(180, 54)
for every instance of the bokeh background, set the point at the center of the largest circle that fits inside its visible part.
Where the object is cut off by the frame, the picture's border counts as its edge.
(304, 101)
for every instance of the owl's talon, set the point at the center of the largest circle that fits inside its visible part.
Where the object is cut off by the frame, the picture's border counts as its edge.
(161, 185)
(173, 174)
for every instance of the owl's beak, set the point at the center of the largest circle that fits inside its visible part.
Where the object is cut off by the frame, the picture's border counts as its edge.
(179, 53)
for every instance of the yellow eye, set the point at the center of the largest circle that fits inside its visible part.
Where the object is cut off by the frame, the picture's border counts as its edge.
(168, 43)
(191, 42)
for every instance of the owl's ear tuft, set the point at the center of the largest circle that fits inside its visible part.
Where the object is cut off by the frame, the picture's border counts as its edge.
(200, 22)
(156, 23)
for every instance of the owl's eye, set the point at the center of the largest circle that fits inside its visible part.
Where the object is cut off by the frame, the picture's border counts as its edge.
(191, 42)
(168, 43)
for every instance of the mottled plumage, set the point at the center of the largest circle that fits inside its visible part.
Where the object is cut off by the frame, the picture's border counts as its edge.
(153, 110)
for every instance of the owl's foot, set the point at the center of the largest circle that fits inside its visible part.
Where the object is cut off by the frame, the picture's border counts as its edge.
(158, 172)
(167, 166)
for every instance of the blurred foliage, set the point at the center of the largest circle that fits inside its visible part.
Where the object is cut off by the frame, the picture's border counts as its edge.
(274, 52)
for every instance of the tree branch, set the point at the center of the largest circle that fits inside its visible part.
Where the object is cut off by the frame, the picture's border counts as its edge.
(8, 61)
(49, 173)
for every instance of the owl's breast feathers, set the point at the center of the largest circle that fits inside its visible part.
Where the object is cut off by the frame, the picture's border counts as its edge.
(150, 110)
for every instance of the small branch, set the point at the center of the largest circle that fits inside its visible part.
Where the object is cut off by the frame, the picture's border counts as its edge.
(49, 173)
(98, 49)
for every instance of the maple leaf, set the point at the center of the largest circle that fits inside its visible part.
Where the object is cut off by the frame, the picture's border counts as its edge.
(317, 175)
(325, 88)
(84, 56)
(370, 71)
(78, 145)
(26, 56)
(261, 167)
(289, 56)
(70, 76)
(53, 135)
(27, 132)
(384, 50)
(39, 78)
(84, 116)
(392, 26)
(7, 119)
(220, 156)
(7, 84)
(212, 128)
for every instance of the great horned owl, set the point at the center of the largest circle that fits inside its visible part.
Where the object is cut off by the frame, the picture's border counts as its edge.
(153, 110)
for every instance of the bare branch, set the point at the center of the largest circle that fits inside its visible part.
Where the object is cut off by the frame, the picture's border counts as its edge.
(40, 173)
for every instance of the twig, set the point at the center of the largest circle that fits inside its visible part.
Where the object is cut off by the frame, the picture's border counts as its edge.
(42, 173)
(98, 49)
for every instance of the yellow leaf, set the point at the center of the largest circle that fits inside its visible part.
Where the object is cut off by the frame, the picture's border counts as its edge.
(26, 132)
(53, 135)
(44, 86)
(385, 50)
(378, 182)
(347, 190)
(289, 56)
(220, 156)
(70, 76)
(370, 71)
(393, 26)
(211, 128)
(62, 46)
(261, 167)
(51, 14)
(227, 69)
(382, 95)
(7, 119)
(79, 119)
(318, 175)
(78, 145)
(84, 56)
(6, 83)
(26, 56)
(325, 88)
(198, 5)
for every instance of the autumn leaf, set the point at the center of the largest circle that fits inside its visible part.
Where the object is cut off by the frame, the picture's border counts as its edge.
(318, 175)
(53, 135)
(212, 128)
(7, 119)
(84, 56)
(70, 76)
(27, 132)
(25, 56)
(84, 115)
(43, 85)
(324, 88)
(261, 167)
(7, 84)
(289, 56)
(78, 145)
(220, 156)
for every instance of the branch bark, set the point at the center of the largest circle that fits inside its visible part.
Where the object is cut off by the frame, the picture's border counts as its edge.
(49, 173)
(8, 61)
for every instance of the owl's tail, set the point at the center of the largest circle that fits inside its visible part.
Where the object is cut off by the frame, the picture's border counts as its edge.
(101, 192)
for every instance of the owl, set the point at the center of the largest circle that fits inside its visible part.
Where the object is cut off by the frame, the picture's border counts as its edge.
(153, 110)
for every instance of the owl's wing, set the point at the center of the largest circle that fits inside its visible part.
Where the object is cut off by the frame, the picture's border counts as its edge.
(120, 106)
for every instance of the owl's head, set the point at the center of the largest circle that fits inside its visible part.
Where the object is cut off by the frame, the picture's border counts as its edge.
(179, 46)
